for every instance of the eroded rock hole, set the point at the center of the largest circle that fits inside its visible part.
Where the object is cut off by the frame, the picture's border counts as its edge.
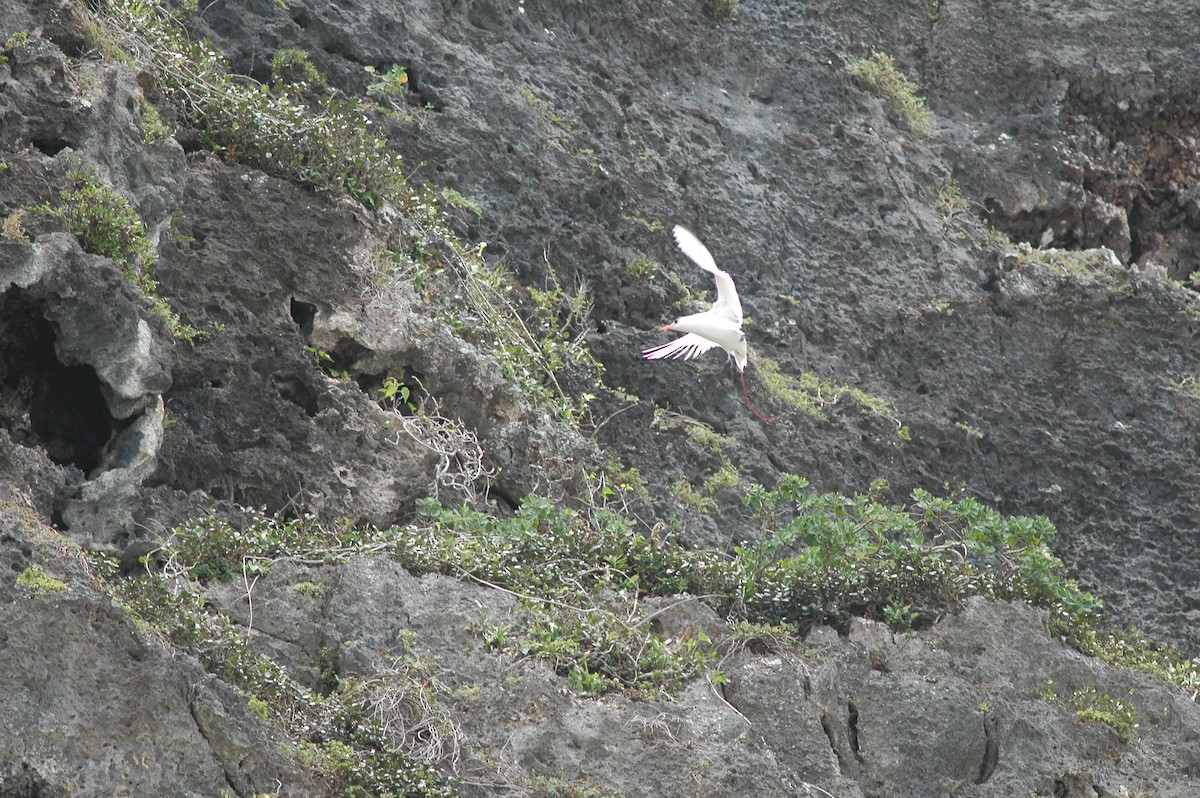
(991, 754)
(303, 313)
(852, 727)
(43, 402)
(49, 146)
(298, 392)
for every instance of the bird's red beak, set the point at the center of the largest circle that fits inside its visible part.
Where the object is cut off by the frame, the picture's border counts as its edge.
(667, 327)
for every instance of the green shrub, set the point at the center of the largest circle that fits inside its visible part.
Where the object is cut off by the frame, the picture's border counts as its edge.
(581, 579)
(879, 75)
(1091, 704)
(330, 143)
(107, 224)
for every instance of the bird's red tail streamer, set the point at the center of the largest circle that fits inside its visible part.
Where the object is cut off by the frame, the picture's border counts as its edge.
(749, 406)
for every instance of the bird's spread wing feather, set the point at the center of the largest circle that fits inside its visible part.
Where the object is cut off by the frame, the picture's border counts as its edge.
(686, 347)
(727, 302)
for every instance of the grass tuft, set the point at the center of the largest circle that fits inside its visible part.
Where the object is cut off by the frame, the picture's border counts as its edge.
(879, 75)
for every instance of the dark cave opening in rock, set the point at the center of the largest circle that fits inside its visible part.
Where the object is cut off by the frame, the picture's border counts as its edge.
(297, 391)
(43, 402)
(303, 313)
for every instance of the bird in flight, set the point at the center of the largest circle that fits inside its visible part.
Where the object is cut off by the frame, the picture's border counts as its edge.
(720, 325)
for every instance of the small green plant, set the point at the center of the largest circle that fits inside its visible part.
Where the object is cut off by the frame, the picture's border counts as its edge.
(553, 787)
(35, 580)
(391, 84)
(725, 478)
(810, 395)
(13, 228)
(456, 200)
(650, 226)
(1092, 705)
(1188, 385)
(581, 680)
(293, 68)
(258, 707)
(641, 270)
(619, 479)
(1047, 693)
(699, 433)
(900, 617)
(18, 39)
(327, 363)
(310, 589)
(686, 493)
(107, 224)
(154, 130)
(545, 109)
(973, 431)
(565, 132)
(395, 393)
(1099, 267)
(984, 708)
(879, 75)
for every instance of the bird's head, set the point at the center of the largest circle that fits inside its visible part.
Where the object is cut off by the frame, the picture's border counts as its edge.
(667, 327)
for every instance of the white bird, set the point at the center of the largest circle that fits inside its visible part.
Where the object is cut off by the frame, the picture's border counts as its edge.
(720, 325)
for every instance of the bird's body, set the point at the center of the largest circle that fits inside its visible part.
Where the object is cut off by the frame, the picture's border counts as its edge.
(720, 325)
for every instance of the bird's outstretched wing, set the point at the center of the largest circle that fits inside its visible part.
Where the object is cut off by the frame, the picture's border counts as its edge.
(686, 347)
(727, 302)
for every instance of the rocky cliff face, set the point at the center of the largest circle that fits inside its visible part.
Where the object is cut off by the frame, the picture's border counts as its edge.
(1004, 305)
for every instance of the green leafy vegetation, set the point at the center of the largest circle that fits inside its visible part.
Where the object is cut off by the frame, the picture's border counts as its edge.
(641, 270)
(330, 142)
(686, 493)
(1092, 705)
(323, 141)
(1188, 385)
(11, 43)
(879, 75)
(585, 583)
(154, 130)
(13, 227)
(820, 559)
(291, 69)
(456, 200)
(392, 83)
(1089, 704)
(327, 363)
(724, 478)
(971, 430)
(35, 580)
(698, 433)
(1089, 265)
(338, 732)
(565, 132)
(107, 224)
(810, 395)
